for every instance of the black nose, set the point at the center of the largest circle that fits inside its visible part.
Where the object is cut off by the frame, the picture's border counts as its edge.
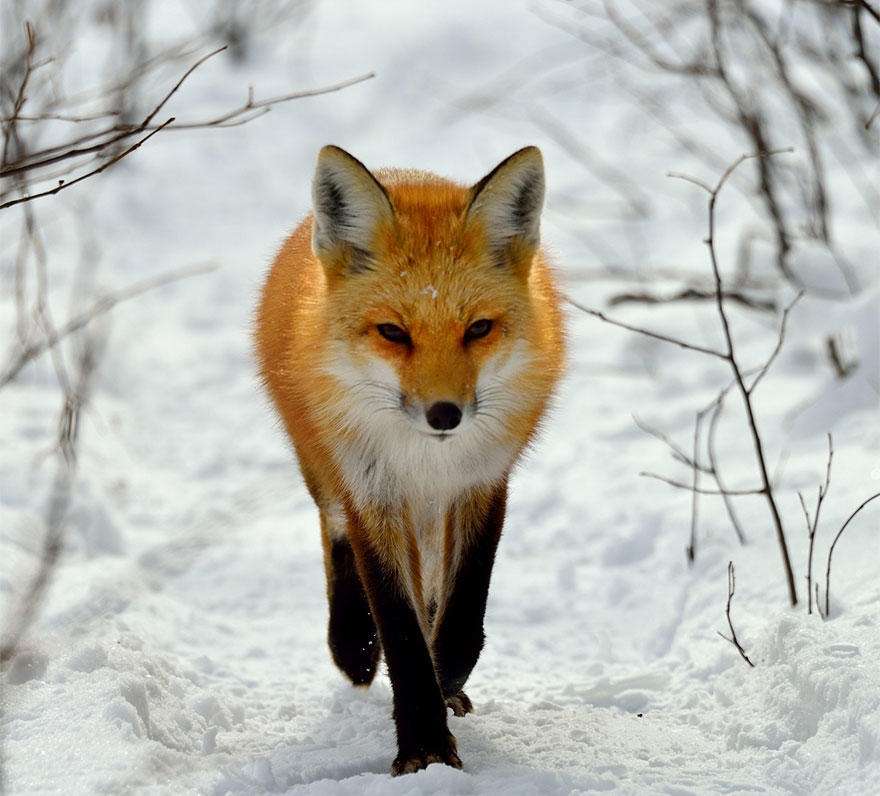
(443, 415)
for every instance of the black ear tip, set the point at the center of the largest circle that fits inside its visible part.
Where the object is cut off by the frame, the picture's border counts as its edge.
(528, 153)
(333, 152)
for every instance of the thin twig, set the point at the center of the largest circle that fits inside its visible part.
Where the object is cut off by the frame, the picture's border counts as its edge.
(713, 470)
(831, 552)
(61, 117)
(701, 490)
(693, 294)
(677, 453)
(695, 493)
(99, 307)
(814, 525)
(780, 339)
(731, 588)
(716, 469)
(152, 114)
(843, 367)
(646, 332)
(105, 165)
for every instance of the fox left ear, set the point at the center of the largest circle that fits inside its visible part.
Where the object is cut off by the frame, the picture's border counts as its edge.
(508, 202)
(349, 205)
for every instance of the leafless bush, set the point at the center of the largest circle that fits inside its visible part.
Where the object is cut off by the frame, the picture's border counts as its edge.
(53, 140)
(26, 164)
(76, 395)
(745, 381)
(763, 74)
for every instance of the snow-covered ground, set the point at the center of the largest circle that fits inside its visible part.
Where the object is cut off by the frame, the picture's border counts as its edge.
(182, 646)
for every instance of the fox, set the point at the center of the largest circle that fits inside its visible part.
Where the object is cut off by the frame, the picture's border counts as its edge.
(410, 336)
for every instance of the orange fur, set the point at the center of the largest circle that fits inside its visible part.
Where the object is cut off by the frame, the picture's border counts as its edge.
(411, 496)
(303, 305)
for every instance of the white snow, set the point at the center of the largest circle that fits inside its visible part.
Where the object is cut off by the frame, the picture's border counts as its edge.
(182, 646)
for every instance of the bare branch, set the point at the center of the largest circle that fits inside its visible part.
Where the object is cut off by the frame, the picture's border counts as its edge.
(104, 166)
(693, 294)
(677, 453)
(263, 106)
(714, 420)
(9, 133)
(152, 114)
(646, 332)
(695, 489)
(248, 111)
(779, 341)
(731, 589)
(831, 552)
(700, 490)
(99, 307)
(843, 366)
(813, 525)
(713, 192)
(753, 125)
(61, 117)
(757, 441)
(677, 175)
(71, 150)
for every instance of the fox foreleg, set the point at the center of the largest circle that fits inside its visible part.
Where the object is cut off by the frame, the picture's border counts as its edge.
(423, 736)
(458, 628)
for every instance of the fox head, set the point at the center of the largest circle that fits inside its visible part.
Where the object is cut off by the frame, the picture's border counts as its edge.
(431, 322)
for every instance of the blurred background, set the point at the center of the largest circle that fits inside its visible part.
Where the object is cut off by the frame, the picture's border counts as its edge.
(160, 557)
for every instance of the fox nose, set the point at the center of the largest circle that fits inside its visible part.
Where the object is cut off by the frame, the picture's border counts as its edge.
(443, 415)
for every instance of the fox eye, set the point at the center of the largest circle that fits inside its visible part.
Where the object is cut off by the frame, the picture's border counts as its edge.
(393, 333)
(478, 329)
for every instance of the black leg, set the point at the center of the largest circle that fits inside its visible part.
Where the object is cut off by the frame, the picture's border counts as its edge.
(352, 635)
(458, 631)
(419, 708)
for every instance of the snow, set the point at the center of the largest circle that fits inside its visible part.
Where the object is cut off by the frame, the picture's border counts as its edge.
(182, 646)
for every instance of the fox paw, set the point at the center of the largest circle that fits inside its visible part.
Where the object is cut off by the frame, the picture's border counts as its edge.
(460, 703)
(409, 763)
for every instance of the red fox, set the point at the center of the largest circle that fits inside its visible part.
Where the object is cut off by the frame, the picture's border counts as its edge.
(410, 336)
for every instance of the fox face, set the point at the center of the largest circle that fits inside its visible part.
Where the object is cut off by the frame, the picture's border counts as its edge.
(433, 335)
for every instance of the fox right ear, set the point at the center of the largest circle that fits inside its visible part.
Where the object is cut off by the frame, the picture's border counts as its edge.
(508, 202)
(349, 204)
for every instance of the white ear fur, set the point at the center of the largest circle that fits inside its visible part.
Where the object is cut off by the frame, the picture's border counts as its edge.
(348, 203)
(509, 199)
